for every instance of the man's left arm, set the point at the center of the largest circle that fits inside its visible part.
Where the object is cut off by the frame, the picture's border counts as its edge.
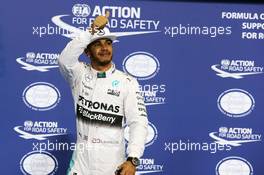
(137, 121)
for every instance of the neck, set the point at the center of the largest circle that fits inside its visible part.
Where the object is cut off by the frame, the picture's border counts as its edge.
(101, 68)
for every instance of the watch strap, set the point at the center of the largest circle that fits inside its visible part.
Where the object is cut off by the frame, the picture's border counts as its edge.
(133, 160)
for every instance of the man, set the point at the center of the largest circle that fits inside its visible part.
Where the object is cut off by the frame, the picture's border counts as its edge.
(105, 101)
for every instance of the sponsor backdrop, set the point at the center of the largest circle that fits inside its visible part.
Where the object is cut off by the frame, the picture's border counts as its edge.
(200, 69)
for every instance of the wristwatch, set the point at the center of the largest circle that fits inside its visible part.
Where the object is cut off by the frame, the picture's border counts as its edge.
(134, 160)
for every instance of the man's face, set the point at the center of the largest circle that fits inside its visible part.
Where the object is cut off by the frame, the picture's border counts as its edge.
(101, 51)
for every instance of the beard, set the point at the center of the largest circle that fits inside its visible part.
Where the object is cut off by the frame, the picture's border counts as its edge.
(100, 62)
(103, 63)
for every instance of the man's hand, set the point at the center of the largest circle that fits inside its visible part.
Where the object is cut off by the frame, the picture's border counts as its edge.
(127, 168)
(99, 23)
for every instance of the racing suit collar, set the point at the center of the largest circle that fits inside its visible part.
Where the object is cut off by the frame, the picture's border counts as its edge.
(105, 74)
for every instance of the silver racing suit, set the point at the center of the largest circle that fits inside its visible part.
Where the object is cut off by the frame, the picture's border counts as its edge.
(104, 104)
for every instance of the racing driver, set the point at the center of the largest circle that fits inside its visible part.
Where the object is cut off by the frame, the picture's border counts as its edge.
(106, 100)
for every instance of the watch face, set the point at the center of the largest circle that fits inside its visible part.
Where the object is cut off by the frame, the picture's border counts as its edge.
(135, 161)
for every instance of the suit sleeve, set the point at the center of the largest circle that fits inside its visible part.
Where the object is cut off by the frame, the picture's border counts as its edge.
(136, 118)
(68, 61)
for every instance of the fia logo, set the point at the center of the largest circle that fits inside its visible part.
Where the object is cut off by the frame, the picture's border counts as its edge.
(81, 10)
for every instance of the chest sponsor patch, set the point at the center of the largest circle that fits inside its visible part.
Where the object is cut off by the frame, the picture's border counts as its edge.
(99, 118)
(94, 105)
(113, 92)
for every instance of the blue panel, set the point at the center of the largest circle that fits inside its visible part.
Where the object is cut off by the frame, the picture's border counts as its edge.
(200, 69)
